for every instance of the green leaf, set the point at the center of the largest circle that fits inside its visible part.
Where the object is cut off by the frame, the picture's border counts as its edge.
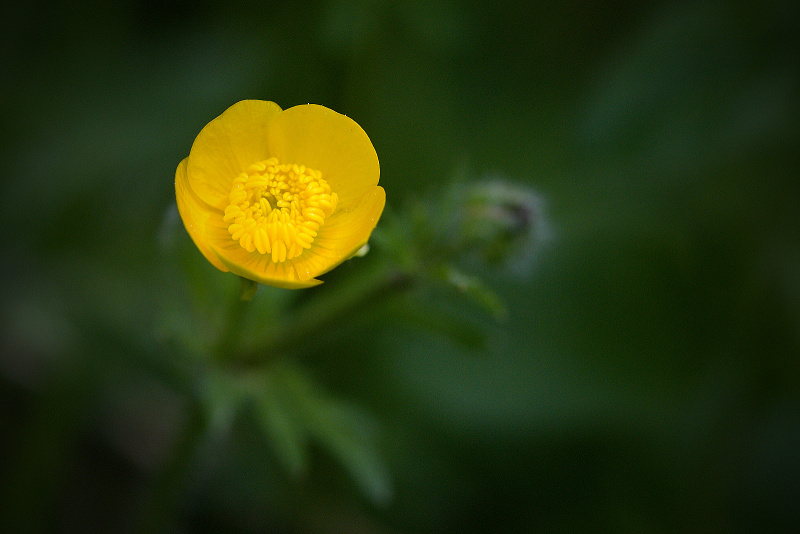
(474, 289)
(346, 432)
(280, 419)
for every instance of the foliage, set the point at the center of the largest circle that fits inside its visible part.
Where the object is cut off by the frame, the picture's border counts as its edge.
(579, 311)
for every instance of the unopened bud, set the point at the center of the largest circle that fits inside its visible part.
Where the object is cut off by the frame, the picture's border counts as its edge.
(505, 223)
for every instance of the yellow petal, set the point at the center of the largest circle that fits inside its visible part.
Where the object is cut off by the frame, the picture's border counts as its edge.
(312, 264)
(194, 213)
(322, 139)
(227, 146)
(264, 271)
(342, 235)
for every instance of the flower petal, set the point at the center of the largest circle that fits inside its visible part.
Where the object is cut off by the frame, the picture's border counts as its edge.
(227, 146)
(194, 214)
(345, 232)
(322, 139)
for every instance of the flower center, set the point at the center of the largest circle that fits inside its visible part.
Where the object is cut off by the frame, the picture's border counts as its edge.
(278, 208)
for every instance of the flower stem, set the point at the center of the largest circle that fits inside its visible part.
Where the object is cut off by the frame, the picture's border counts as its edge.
(168, 488)
(325, 308)
(228, 342)
(163, 501)
(247, 290)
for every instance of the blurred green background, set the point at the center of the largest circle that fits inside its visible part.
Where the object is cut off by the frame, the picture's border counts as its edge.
(646, 378)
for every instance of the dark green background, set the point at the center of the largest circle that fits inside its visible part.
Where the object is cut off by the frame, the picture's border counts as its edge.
(647, 379)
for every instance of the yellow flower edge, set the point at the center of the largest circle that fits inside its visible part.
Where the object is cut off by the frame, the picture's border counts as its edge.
(280, 196)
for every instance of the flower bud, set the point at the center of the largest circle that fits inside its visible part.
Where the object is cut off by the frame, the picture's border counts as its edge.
(504, 223)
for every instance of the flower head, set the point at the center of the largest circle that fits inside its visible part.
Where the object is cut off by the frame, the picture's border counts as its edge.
(280, 197)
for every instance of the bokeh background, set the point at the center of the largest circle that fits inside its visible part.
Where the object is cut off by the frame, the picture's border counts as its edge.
(645, 378)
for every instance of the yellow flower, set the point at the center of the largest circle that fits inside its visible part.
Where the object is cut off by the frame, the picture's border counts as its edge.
(280, 197)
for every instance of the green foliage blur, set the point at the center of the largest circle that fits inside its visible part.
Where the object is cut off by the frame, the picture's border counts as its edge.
(633, 365)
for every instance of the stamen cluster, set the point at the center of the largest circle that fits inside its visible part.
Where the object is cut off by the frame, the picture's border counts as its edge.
(278, 208)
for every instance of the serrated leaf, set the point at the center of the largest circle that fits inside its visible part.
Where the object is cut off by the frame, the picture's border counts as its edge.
(344, 431)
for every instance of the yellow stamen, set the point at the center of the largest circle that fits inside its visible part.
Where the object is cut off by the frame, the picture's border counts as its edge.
(277, 209)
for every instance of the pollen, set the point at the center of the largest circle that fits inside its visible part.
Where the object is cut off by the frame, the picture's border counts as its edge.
(277, 208)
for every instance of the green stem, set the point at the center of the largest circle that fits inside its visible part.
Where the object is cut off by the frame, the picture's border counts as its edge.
(327, 307)
(228, 342)
(248, 289)
(168, 488)
(161, 509)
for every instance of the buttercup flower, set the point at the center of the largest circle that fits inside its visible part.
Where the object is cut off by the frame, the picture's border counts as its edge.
(280, 197)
